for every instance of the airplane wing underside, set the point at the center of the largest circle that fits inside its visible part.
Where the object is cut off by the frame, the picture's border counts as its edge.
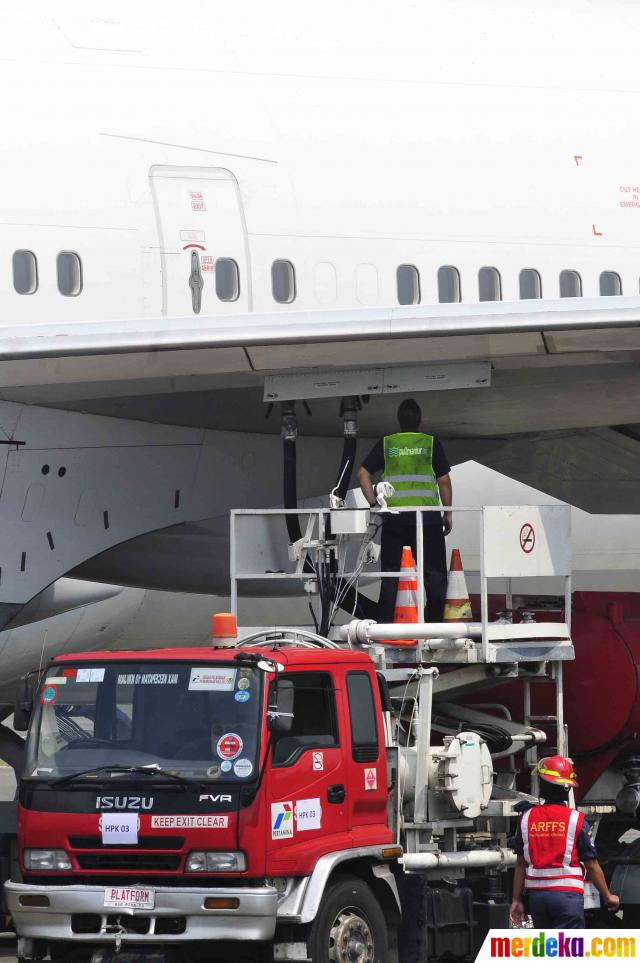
(564, 389)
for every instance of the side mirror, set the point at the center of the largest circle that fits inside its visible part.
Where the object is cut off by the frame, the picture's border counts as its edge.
(23, 707)
(280, 708)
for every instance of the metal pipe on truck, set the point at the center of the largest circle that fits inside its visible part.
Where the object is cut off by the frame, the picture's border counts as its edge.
(364, 631)
(474, 858)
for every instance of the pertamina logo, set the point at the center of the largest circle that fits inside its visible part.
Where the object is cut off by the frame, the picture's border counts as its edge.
(281, 820)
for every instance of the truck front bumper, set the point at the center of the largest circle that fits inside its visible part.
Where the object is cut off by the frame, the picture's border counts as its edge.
(78, 913)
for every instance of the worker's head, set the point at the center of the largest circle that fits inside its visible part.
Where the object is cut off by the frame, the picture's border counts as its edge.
(409, 415)
(557, 778)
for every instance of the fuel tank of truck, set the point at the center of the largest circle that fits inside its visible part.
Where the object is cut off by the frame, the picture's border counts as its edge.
(601, 687)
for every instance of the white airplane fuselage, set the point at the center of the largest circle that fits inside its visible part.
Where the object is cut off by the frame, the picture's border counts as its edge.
(346, 141)
(159, 160)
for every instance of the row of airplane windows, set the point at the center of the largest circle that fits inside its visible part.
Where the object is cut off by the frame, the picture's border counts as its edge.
(490, 284)
(283, 283)
(283, 280)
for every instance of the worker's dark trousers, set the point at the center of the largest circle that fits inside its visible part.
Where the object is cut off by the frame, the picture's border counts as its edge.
(398, 531)
(557, 910)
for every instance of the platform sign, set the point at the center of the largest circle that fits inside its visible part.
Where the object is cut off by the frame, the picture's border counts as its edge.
(524, 541)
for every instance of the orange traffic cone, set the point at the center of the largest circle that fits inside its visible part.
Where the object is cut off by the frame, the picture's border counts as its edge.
(457, 607)
(406, 610)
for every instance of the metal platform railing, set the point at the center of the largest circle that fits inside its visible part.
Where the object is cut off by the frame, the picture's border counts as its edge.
(515, 542)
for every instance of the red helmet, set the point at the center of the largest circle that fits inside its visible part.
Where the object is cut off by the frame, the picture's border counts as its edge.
(557, 770)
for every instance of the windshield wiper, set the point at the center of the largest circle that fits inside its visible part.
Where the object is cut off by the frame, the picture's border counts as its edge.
(136, 770)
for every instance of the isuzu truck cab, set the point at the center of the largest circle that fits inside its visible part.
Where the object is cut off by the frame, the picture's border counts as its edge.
(177, 797)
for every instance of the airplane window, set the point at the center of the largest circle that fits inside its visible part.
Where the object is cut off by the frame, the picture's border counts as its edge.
(408, 280)
(69, 268)
(227, 279)
(570, 284)
(530, 285)
(489, 284)
(610, 284)
(25, 272)
(283, 282)
(448, 285)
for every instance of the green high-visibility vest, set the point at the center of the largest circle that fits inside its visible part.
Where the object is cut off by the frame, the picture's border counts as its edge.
(408, 466)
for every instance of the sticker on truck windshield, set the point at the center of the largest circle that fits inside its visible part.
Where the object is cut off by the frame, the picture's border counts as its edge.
(241, 696)
(229, 746)
(48, 695)
(148, 678)
(215, 679)
(281, 820)
(243, 768)
(90, 675)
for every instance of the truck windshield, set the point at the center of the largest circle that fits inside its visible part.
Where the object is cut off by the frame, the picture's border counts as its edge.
(194, 720)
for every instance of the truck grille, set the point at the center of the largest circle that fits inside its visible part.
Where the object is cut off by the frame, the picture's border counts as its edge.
(123, 858)
(127, 860)
(144, 842)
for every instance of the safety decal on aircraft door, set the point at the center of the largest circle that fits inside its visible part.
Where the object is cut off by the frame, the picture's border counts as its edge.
(198, 202)
(206, 264)
(198, 237)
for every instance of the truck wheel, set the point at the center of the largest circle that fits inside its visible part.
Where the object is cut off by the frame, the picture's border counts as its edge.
(350, 926)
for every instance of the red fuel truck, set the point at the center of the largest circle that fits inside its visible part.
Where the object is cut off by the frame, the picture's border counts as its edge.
(292, 799)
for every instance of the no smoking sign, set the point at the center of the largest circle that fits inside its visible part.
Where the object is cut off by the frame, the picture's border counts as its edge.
(527, 538)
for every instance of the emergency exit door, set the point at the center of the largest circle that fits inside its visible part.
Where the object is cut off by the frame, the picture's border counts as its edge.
(203, 243)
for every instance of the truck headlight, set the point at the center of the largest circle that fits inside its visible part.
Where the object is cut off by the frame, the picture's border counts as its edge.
(215, 862)
(46, 860)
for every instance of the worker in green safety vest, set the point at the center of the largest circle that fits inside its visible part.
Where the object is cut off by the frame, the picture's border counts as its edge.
(415, 464)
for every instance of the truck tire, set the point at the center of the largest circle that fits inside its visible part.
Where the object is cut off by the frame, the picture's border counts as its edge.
(350, 925)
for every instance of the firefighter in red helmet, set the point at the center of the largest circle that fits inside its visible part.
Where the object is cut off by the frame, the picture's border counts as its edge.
(554, 848)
